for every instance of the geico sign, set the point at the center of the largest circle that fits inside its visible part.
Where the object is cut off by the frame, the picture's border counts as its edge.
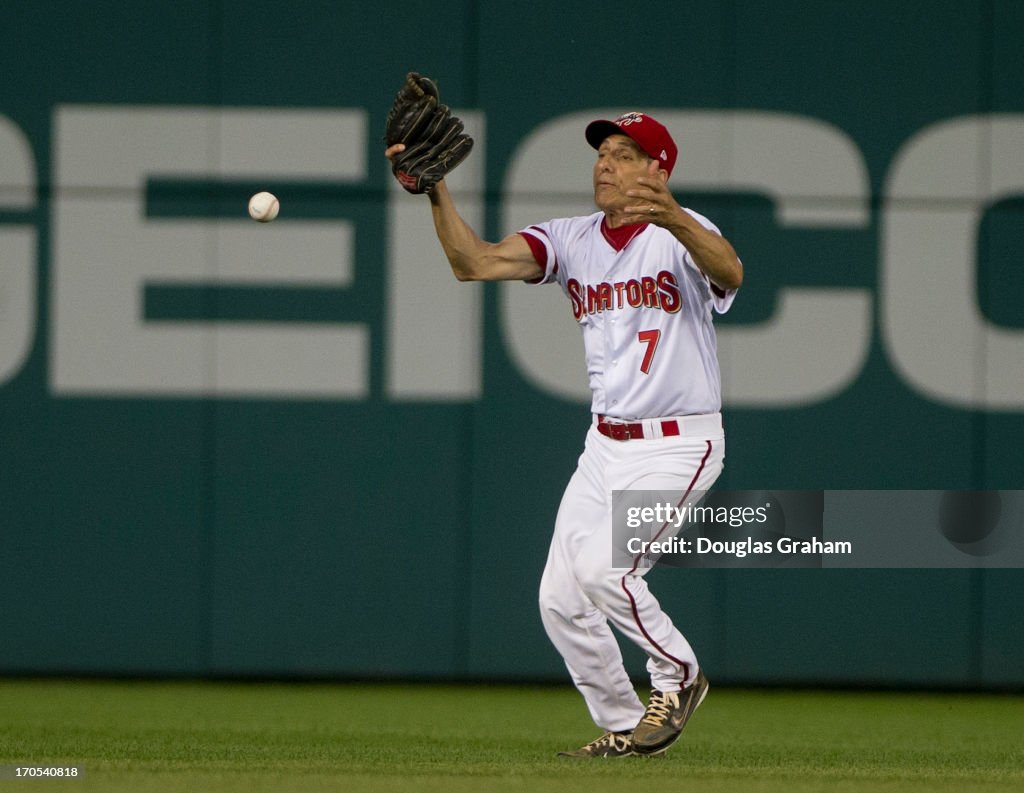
(105, 251)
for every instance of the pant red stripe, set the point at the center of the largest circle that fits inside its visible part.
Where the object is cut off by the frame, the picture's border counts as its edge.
(632, 602)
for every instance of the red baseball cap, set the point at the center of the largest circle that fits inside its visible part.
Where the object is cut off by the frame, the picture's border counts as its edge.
(650, 135)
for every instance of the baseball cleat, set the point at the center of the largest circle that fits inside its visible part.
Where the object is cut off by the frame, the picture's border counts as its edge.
(667, 714)
(611, 744)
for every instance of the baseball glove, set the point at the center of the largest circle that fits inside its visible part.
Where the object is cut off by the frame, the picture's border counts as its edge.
(434, 138)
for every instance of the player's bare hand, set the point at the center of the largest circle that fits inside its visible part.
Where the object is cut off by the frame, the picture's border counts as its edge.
(391, 151)
(653, 203)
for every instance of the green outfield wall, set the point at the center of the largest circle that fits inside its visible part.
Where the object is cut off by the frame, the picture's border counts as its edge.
(302, 449)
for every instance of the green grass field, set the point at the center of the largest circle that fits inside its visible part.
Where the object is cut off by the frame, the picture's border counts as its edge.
(140, 736)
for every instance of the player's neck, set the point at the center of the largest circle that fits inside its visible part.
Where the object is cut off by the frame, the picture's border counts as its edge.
(613, 219)
(620, 236)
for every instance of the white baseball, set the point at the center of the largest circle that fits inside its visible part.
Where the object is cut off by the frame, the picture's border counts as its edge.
(264, 207)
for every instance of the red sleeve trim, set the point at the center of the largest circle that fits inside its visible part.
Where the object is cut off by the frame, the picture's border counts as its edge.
(540, 253)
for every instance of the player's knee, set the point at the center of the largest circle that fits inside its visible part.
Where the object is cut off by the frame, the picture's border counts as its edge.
(559, 600)
(548, 597)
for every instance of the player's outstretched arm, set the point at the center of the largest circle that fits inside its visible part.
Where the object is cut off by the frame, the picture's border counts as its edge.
(471, 258)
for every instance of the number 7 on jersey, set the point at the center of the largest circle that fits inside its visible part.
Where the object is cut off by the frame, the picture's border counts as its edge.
(650, 338)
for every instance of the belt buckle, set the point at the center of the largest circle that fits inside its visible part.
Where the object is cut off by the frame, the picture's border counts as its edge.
(613, 430)
(628, 432)
(621, 430)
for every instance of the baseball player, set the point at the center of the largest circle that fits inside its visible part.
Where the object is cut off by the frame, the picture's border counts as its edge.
(642, 276)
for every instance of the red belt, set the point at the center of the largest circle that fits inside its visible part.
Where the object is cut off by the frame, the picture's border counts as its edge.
(628, 432)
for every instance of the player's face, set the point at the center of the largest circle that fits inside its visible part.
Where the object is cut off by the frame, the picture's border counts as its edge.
(619, 162)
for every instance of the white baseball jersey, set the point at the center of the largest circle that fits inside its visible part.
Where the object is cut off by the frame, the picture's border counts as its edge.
(645, 311)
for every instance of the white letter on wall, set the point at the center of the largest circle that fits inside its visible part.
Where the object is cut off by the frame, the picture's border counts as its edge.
(938, 188)
(106, 251)
(435, 324)
(17, 251)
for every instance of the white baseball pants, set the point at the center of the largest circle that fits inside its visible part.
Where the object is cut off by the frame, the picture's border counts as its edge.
(582, 596)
